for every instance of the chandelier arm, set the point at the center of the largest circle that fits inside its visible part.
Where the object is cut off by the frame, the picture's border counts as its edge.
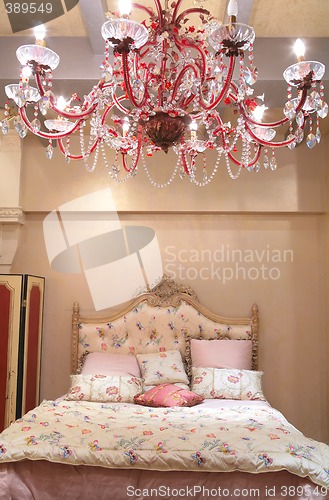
(142, 53)
(39, 84)
(46, 135)
(268, 144)
(186, 12)
(187, 102)
(159, 10)
(184, 164)
(138, 152)
(118, 105)
(178, 4)
(65, 114)
(267, 124)
(180, 77)
(252, 162)
(143, 7)
(216, 102)
(161, 89)
(127, 83)
(182, 46)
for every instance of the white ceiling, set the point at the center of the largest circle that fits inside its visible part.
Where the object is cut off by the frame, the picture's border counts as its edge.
(76, 37)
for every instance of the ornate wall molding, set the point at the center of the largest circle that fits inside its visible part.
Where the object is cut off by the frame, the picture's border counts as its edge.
(11, 215)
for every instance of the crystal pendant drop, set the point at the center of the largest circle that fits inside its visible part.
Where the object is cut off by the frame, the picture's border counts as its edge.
(250, 168)
(250, 75)
(257, 167)
(314, 99)
(23, 132)
(289, 110)
(273, 164)
(43, 105)
(18, 124)
(300, 118)
(20, 100)
(292, 138)
(182, 173)
(299, 135)
(138, 88)
(311, 140)
(5, 126)
(265, 162)
(49, 151)
(318, 134)
(36, 125)
(106, 72)
(323, 109)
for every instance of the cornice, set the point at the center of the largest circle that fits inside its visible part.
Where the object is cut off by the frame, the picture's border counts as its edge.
(11, 215)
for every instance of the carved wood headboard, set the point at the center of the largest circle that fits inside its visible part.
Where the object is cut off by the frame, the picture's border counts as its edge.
(162, 318)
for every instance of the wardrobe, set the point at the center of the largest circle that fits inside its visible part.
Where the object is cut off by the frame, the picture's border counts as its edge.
(21, 315)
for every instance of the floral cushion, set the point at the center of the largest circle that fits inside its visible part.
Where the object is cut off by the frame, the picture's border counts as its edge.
(218, 383)
(168, 395)
(104, 389)
(162, 367)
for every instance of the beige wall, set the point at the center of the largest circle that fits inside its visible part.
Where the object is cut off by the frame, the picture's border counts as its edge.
(278, 217)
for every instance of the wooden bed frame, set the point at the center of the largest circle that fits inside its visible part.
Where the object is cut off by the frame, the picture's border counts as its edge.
(167, 294)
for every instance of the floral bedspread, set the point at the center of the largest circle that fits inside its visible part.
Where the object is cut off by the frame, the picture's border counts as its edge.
(246, 438)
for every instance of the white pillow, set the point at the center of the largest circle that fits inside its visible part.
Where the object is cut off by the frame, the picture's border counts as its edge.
(104, 388)
(162, 367)
(220, 383)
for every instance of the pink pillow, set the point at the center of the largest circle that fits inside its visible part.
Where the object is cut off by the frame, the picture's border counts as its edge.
(107, 363)
(168, 395)
(222, 354)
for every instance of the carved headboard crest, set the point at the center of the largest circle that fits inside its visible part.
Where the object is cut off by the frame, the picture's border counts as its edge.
(168, 293)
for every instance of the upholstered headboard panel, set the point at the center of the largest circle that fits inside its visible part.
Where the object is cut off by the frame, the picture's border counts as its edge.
(161, 319)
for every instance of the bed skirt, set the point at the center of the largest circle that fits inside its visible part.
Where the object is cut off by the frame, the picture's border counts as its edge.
(41, 480)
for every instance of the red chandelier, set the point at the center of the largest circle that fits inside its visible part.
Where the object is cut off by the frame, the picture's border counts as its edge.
(168, 85)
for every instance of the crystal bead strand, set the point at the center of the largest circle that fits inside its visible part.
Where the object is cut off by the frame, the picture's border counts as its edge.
(49, 150)
(266, 163)
(170, 180)
(273, 164)
(311, 139)
(5, 123)
(35, 123)
(85, 154)
(111, 170)
(213, 173)
(228, 166)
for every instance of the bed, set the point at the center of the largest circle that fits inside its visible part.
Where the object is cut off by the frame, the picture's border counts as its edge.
(165, 400)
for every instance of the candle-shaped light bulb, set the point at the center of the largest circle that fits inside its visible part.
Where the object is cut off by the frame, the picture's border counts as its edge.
(61, 103)
(299, 49)
(125, 127)
(232, 8)
(39, 33)
(124, 8)
(193, 129)
(258, 112)
(26, 73)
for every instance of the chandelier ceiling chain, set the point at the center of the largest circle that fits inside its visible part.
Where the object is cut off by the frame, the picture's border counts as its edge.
(168, 85)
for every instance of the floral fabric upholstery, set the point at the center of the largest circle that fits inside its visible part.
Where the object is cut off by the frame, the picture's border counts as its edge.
(149, 329)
